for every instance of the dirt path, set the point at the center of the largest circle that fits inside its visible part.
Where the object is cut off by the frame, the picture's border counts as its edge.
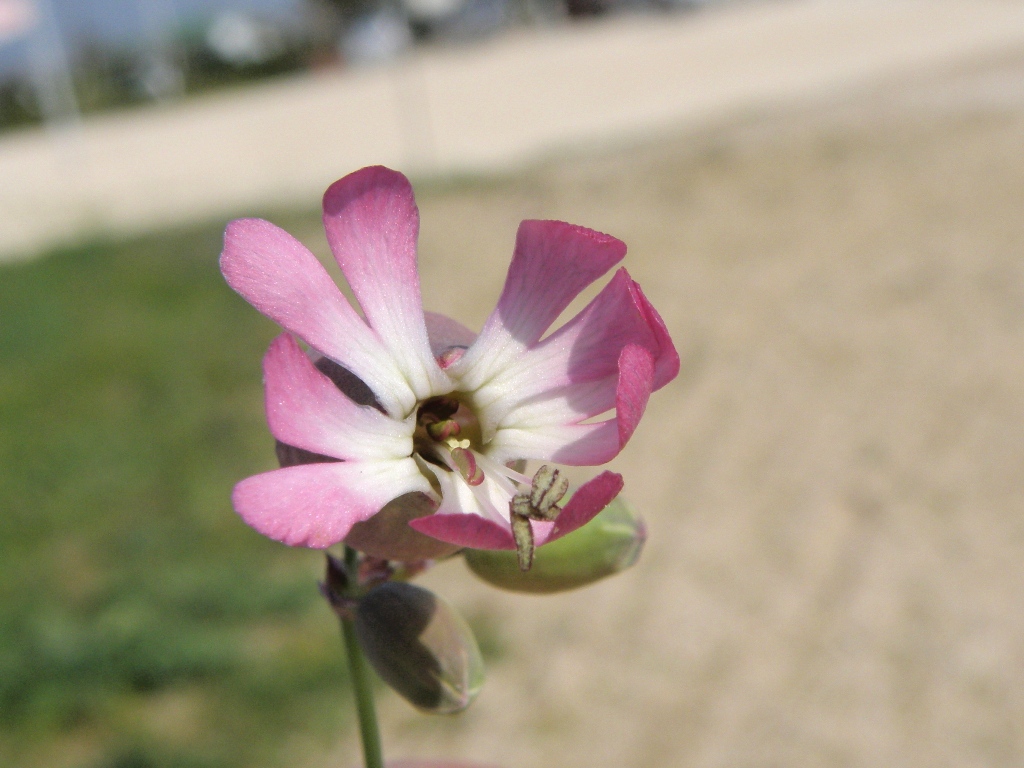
(491, 107)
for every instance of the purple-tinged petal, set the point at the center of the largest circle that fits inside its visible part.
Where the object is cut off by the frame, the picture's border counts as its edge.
(465, 531)
(553, 261)
(280, 277)
(666, 365)
(445, 333)
(372, 224)
(585, 444)
(479, 533)
(589, 499)
(306, 410)
(315, 505)
(571, 375)
(636, 378)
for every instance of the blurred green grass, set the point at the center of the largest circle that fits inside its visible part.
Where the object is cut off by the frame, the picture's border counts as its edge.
(142, 625)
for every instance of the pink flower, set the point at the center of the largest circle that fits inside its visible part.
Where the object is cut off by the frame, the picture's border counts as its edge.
(456, 413)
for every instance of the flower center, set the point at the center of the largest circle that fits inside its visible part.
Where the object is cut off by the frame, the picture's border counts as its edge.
(448, 438)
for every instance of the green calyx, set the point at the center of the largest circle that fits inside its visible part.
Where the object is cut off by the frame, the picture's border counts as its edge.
(608, 544)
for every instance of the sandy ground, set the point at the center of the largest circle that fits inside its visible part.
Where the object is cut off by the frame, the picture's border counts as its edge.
(835, 573)
(480, 109)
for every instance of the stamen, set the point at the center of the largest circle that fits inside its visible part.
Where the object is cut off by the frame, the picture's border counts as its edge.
(522, 532)
(450, 356)
(548, 488)
(467, 466)
(442, 430)
(541, 501)
(501, 475)
(437, 409)
(492, 467)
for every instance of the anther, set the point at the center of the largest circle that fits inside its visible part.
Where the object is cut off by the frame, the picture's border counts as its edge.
(437, 409)
(548, 488)
(442, 430)
(541, 501)
(522, 532)
(467, 466)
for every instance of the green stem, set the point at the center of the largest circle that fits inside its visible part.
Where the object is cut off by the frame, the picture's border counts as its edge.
(362, 680)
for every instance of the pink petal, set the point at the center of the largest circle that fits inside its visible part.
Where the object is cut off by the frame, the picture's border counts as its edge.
(666, 365)
(479, 533)
(585, 444)
(465, 531)
(571, 375)
(589, 499)
(315, 505)
(578, 445)
(280, 277)
(445, 333)
(372, 224)
(305, 409)
(636, 380)
(553, 261)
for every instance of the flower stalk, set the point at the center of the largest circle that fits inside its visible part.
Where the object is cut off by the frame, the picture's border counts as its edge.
(360, 674)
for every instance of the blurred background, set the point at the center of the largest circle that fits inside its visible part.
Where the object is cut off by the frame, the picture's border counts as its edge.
(822, 197)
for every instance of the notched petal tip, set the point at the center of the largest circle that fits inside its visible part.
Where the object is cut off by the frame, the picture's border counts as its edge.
(372, 224)
(611, 248)
(354, 185)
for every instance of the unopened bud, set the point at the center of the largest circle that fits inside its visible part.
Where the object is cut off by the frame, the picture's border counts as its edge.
(420, 646)
(609, 543)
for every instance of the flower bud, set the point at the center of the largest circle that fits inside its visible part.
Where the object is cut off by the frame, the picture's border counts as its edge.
(609, 543)
(420, 647)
